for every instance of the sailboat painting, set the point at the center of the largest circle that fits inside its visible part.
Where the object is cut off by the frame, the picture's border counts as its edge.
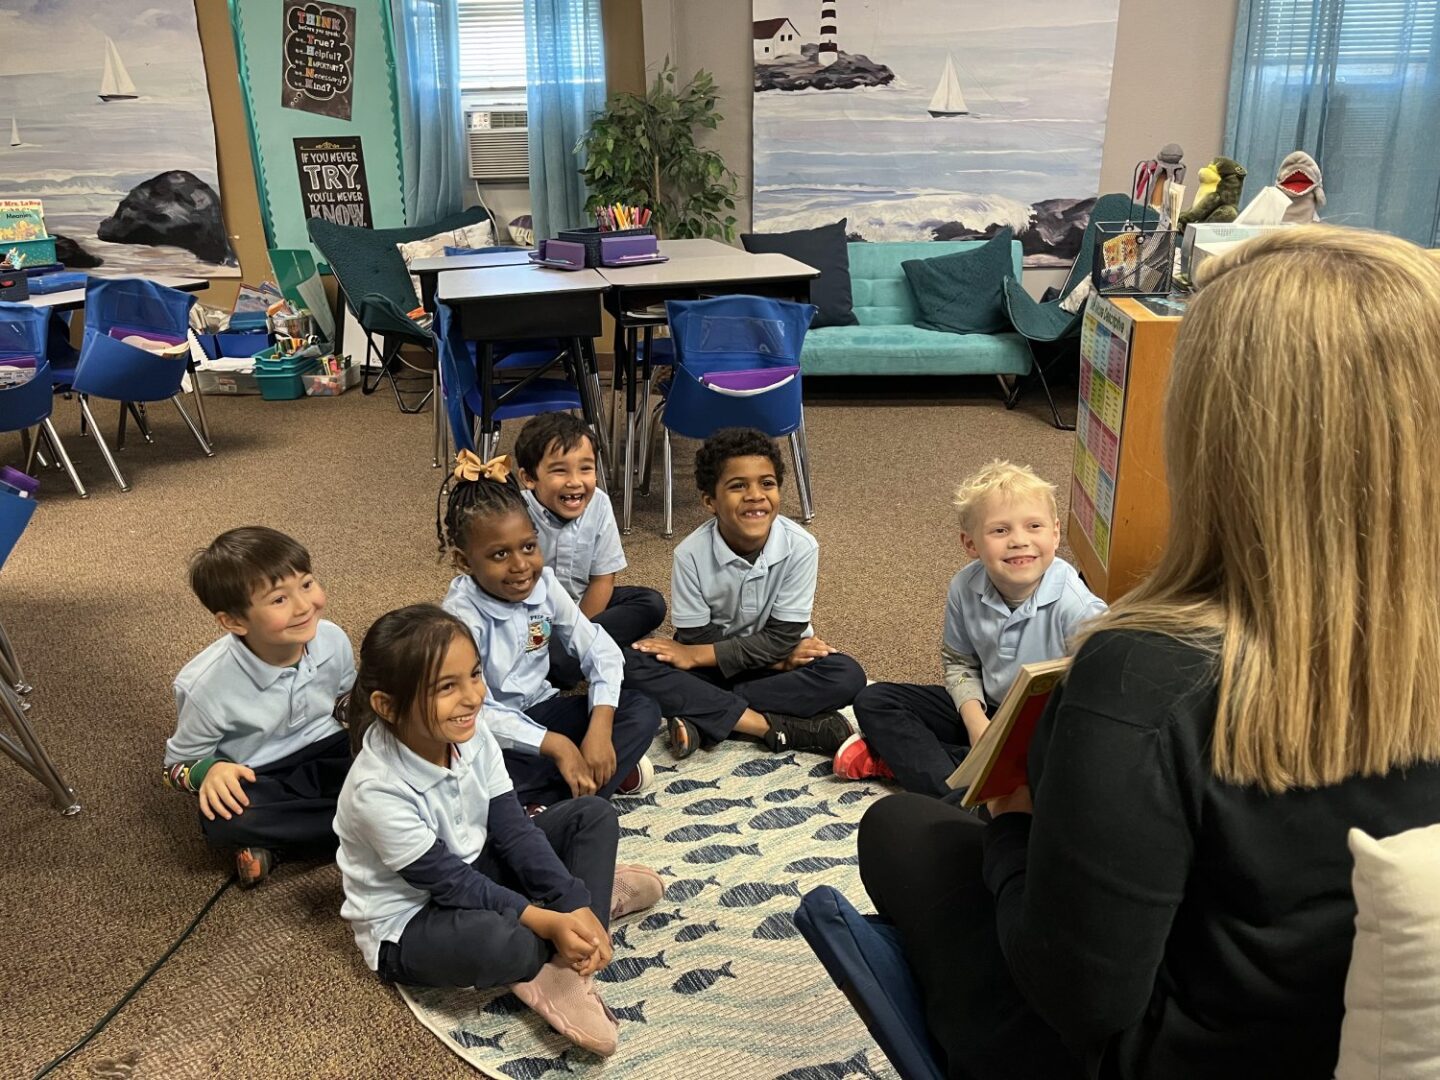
(115, 84)
(113, 133)
(948, 100)
(932, 119)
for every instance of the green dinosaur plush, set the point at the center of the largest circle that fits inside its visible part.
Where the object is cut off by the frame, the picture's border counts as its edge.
(1221, 205)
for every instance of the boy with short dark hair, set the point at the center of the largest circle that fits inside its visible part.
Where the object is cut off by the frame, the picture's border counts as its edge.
(745, 657)
(257, 740)
(578, 535)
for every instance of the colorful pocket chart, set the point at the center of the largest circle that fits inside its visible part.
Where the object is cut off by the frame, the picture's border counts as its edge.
(1105, 336)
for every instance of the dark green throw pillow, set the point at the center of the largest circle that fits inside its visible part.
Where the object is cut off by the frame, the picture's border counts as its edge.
(963, 293)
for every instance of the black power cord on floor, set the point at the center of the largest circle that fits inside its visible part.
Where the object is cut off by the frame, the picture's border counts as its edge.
(100, 1026)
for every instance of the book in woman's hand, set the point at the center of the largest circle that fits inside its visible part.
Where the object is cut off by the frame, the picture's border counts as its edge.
(995, 765)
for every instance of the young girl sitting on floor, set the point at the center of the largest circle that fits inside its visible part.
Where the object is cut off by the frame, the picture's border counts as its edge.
(512, 603)
(447, 881)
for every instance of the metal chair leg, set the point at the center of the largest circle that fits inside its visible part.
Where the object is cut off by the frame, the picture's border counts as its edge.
(120, 426)
(142, 420)
(61, 457)
(437, 408)
(30, 755)
(668, 458)
(199, 438)
(807, 512)
(7, 652)
(89, 418)
(805, 456)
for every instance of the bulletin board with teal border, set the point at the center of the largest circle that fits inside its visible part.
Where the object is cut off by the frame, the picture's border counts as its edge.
(374, 117)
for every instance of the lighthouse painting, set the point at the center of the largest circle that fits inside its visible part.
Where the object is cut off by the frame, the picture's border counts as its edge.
(932, 119)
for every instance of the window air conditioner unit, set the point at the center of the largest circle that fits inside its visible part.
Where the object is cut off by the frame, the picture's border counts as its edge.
(499, 144)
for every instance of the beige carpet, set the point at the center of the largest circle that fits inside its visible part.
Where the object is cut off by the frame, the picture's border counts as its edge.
(271, 985)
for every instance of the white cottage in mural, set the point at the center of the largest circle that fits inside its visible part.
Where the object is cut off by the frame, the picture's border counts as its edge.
(775, 37)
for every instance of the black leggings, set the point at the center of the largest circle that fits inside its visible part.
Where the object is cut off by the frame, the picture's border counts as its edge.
(920, 861)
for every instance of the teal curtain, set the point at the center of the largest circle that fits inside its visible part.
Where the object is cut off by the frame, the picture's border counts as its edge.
(565, 66)
(432, 137)
(1354, 83)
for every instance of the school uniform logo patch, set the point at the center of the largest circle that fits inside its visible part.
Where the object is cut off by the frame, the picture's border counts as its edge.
(539, 637)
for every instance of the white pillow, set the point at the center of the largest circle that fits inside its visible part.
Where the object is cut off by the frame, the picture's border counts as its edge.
(1392, 992)
(481, 234)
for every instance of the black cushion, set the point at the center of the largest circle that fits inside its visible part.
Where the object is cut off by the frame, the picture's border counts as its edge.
(826, 250)
(964, 293)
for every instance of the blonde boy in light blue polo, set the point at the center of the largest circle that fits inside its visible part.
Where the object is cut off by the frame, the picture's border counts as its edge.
(1017, 603)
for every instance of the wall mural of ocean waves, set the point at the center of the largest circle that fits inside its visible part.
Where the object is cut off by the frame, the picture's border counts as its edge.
(108, 111)
(932, 119)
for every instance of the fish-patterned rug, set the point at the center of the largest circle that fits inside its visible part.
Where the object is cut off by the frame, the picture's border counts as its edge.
(714, 982)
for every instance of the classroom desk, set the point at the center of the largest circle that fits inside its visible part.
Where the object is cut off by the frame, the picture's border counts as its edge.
(696, 268)
(74, 299)
(519, 303)
(427, 270)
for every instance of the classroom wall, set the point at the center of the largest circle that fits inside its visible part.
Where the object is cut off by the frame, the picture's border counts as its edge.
(625, 64)
(1172, 67)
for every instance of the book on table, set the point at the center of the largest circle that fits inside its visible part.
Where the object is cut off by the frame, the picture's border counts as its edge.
(995, 765)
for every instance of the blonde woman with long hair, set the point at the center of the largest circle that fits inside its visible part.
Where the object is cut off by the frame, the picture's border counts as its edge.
(1177, 902)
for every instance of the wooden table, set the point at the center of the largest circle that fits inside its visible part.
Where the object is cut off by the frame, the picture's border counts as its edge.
(696, 268)
(520, 303)
(1119, 501)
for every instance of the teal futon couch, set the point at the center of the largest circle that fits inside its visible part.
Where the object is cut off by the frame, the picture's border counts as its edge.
(887, 343)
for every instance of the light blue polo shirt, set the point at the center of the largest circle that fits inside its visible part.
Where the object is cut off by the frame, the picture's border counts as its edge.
(392, 809)
(514, 644)
(979, 623)
(578, 550)
(234, 705)
(709, 583)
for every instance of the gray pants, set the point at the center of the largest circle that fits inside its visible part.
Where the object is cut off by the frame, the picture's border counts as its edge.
(444, 946)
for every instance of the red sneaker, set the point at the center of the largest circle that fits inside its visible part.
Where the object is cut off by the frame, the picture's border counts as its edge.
(639, 779)
(856, 761)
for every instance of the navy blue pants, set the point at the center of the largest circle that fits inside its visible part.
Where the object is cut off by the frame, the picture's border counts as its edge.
(714, 703)
(292, 803)
(443, 946)
(537, 780)
(633, 612)
(916, 730)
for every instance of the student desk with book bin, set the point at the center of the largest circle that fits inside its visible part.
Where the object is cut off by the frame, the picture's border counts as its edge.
(528, 303)
(1119, 501)
(695, 268)
(74, 300)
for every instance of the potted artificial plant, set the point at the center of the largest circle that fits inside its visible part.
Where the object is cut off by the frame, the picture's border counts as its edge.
(641, 151)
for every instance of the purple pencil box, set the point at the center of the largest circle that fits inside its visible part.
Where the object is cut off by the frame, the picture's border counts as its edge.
(629, 250)
(560, 255)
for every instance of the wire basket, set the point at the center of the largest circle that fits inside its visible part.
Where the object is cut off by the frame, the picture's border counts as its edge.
(1133, 259)
(591, 239)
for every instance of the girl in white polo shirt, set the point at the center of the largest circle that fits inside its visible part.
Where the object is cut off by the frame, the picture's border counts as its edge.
(447, 881)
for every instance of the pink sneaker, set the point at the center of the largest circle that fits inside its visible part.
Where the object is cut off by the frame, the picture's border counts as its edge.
(855, 761)
(569, 1004)
(636, 888)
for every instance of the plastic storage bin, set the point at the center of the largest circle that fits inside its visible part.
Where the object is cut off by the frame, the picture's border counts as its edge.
(322, 384)
(283, 379)
(208, 381)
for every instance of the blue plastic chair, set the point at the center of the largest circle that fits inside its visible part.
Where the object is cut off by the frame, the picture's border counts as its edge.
(108, 368)
(23, 339)
(863, 955)
(737, 364)
(465, 404)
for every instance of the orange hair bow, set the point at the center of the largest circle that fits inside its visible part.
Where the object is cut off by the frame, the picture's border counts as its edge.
(469, 467)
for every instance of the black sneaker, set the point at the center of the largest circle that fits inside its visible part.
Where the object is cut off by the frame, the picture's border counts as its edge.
(822, 734)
